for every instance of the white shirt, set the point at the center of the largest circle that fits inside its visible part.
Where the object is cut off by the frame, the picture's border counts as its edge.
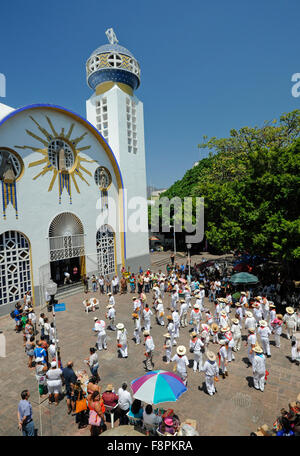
(223, 353)
(264, 332)
(196, 315)
(151, 419)
(211, 368)
(197, 345)
(183, 308)
(181, 362)
(149, 344)
(147, 313)
(111, 313)
(32, 317)
(175, 316)
(111, 300)
(122, 336)
(171, 328)
(251, 340)
(250, 322)
(125, 399)
(259, 364)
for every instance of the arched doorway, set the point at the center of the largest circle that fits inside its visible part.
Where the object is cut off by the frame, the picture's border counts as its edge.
(66, 244)
(15, 267)
(105, 242)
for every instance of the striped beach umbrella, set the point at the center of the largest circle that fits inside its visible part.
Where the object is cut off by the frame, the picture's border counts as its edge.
(158, 386)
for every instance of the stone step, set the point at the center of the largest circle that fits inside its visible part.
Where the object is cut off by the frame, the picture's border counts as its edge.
(69, 290)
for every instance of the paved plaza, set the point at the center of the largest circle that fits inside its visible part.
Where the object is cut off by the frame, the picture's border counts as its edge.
(236, 409)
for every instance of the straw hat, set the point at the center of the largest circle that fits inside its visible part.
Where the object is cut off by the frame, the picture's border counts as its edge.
(249, 314)
(109, 294)
(225, 329)
(255, 304)
(181, 350)
(201, 286)
(182, 300)
(272, 305)
(205, 327)
(252, 330)
(279, 316)
(235, 321)
(243, 293)
(169, 317)
(135, 315)
(258, 298)
(290, 310)
(109, 387)
(263, 323)
(211, 356)
(109, 306)
(95, 318)
(167, 335)
(223, 313)
(214, 327)
(258, 349)
(238, 304)
(146, 332)
(196, 306)
(193, 334)
(220, 299)
(120, 326)
(159, 301)
(262, 431)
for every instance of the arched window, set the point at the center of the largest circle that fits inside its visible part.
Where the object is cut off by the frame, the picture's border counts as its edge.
(15, 272)
(105, 242)
(66, 237)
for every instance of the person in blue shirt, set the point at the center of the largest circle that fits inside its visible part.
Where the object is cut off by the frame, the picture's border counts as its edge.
(136, 410)
(26, 424)
(17, 317)
(40, 352)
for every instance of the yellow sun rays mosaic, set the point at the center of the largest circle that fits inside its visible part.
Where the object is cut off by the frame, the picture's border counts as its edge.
(60, 156)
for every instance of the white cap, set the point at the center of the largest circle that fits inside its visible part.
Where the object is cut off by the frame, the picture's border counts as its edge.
(53, 364)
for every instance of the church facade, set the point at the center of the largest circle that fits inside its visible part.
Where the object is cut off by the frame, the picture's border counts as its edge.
(69, 185)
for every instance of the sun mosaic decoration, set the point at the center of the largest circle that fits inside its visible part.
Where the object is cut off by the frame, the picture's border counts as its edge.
(60, 157)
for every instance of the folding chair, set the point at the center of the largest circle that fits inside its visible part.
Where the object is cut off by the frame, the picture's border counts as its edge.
(111, 410)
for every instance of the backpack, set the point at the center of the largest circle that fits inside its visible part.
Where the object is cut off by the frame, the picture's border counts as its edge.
(12, 314)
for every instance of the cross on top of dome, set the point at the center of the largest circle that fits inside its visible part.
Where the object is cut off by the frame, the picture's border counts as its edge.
(111, 36)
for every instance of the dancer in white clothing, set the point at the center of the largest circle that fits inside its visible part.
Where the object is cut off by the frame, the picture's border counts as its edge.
(211, 372)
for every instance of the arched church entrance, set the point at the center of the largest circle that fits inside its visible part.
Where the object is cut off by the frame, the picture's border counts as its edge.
(66, 244)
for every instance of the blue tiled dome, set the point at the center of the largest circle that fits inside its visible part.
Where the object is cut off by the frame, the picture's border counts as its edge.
(112, 62)
(111, 48)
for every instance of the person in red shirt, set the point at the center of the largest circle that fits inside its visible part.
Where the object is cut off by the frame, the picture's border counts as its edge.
(110, 399)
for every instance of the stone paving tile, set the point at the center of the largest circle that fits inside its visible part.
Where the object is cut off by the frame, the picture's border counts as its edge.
(76, 336)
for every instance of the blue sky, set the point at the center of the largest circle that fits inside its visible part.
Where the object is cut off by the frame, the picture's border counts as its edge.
(207, 66)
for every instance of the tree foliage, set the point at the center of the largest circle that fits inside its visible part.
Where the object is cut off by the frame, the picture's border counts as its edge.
(251, 186)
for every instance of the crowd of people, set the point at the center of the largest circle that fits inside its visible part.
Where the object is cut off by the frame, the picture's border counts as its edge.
(234, 318)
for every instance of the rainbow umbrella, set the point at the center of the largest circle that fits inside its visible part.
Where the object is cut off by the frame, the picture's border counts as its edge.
(158, 386)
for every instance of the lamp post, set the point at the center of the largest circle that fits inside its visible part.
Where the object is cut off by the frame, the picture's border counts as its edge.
(173, 226)
(51, 289)
(189, 246)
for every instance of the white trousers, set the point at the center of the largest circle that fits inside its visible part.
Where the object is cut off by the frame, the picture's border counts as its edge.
(237, 343)
(124, 351)
(215, 338)
(259, 380)
(222, 366)
(277, 340)
(265, 345)
(137, 336)
(250, 356)
(173, 342)
(198, 361)
(290, 332)
(210, 384)
(177, 326)
(230, 354)
(101, 342)
(147, 324)
(161, 321)
(168, 354)
(196, 324)
(183, 320)
(182, 374)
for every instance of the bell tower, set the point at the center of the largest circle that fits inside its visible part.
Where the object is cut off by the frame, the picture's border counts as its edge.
(113, 73)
